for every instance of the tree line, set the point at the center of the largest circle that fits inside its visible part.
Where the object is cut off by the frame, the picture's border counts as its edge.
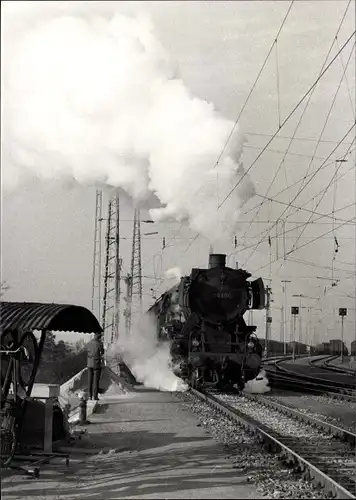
(60, 361)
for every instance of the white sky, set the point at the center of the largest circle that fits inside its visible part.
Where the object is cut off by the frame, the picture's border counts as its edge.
(218, 49)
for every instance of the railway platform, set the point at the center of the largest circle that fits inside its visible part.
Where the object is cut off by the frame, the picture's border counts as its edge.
(145, 444)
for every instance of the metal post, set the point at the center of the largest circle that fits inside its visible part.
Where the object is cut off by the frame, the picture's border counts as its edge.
(295, 312)
(281, 335)
(48, 427)
(268, 319)
(107, 272)
(342, 339)
(342, 313)
(96, 278)
(117, 281)
(128, 300)
(308, 334)
(285, 315)
(294, 330)
(300, 325)
(83, 399)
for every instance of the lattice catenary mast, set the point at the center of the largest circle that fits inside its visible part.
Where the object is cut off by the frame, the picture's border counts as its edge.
(112, 274)
(97, 257)
(134, 279)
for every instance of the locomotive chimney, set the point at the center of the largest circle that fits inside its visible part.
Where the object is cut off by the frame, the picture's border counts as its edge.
(217, 260)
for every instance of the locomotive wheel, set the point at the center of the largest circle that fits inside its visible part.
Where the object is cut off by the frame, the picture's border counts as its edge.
(27, 363)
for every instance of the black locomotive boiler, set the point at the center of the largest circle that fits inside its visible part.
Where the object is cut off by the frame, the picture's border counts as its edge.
(202, 318)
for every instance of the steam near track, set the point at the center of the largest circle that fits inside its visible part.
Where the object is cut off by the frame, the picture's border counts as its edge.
(259, 385)
(149, 360)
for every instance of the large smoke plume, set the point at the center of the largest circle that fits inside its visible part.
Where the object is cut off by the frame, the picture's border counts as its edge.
(95, 99)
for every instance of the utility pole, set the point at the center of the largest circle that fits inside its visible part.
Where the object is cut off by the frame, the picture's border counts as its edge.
(302, 296)
(285, 315)
(134, 279)
(112, 274)
(281, 334)
(97, 270)
(300, 330)
(308, 326)
(268, 319)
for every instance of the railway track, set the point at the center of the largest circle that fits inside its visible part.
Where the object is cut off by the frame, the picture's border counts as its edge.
(284, 378)
(289, 382)
(293, 412)
(340, 385)
(326, 462)
(338, 369)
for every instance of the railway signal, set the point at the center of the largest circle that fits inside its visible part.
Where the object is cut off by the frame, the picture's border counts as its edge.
(295, 312)
(268, 319)
(342, 313)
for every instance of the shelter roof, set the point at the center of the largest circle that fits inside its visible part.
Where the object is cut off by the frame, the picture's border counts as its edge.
(55, 317)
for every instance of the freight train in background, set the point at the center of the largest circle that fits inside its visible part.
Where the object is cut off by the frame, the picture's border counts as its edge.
(276, 348)
(353, 348)
(202, 318)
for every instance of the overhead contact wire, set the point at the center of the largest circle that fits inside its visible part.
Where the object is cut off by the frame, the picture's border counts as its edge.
(286, 119)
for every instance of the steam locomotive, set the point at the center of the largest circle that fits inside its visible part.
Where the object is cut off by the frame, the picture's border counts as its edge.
(202, 318)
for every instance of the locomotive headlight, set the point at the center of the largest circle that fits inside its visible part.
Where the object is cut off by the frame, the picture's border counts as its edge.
(251, 345)
(195, 342)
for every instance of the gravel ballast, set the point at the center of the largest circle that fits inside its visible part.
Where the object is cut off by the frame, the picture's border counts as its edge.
(273, 479)
(334, 411)
(307, 438)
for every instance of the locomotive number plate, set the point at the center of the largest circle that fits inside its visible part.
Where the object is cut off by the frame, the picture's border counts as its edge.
(223, 295)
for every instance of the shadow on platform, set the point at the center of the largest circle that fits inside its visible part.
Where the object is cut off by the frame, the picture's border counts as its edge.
(115, 476)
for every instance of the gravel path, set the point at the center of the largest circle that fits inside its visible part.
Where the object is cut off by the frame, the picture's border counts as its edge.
(273, 479)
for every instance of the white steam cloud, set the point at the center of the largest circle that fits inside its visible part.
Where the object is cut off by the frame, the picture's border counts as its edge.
(258, 385)
(96, 100)
(148, 359)
(173, 273)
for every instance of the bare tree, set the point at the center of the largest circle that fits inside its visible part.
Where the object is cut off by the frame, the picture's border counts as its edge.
(3, 288)
(79, 346)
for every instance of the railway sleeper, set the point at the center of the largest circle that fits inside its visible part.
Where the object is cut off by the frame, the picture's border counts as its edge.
(273, 443)
(312, 421)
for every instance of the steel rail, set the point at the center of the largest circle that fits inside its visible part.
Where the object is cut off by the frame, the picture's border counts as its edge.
(304, 385)
(305, 382)
(341, 369)
(273, 442)
(331, 383)
(292, 411)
